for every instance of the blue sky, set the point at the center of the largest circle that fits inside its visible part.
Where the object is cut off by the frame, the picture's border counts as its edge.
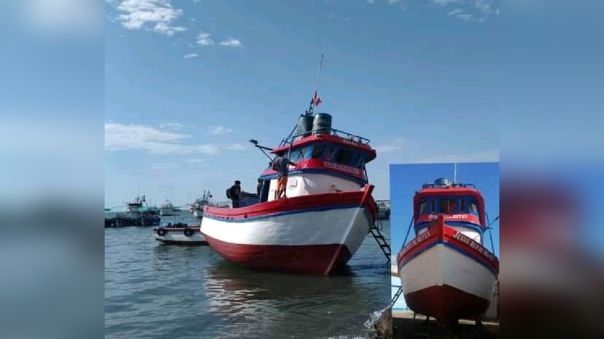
(187, 83)
(406, 179)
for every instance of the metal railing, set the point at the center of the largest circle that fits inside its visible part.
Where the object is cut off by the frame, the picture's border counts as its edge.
(332, 131)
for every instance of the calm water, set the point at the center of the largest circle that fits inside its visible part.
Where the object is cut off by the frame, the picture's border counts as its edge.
(155, 290)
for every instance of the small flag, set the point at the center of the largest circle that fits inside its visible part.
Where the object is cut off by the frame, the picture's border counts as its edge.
(315, 99)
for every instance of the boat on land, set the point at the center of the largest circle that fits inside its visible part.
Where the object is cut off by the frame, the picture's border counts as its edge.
(446, 272)
(327, 214)
(180, 234)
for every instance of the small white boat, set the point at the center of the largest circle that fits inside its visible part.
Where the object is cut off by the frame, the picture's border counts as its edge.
(180, 234)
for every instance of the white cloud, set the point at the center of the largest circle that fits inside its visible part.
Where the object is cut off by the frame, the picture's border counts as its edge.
(488, 155)
(70, 16)
(171, 125)
(446, 2)
(237, 147)
(470, 10)
(141, 137)
(231, 43)
(154, 15)
(219, 130)
(194, 160)
(204, 39)
(392, 146)
(191, 55)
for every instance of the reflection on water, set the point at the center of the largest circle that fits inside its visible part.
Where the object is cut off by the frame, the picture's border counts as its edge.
(154, 290)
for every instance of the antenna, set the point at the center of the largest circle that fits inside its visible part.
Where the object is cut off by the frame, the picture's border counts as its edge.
(454, 173)
(315, 101)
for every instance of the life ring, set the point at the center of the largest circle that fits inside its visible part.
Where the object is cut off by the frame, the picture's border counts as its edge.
(161, 231)
(188, 232)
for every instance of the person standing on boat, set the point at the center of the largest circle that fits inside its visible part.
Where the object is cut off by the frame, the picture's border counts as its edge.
(234, 193)
(281, 165)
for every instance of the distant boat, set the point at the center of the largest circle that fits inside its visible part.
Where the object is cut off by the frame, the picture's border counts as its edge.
(445, 271)
(135, 205)
(167, 209)
(179, 234)
(126, 219)
(383, 209)
(200, 203)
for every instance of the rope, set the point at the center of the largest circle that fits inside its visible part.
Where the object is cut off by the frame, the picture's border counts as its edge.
(408, 230)
(491, 233)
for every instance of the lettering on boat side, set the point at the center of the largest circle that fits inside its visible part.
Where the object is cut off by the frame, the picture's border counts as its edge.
(420, 238)
(452, 216)
(473, 244)
(349, 142)
(343, 168)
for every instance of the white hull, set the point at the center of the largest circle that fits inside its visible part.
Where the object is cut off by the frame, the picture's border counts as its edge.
(344, 226)
(441, 265)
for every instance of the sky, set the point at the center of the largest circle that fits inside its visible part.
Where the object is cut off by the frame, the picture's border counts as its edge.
(188, 83)
(406, 179)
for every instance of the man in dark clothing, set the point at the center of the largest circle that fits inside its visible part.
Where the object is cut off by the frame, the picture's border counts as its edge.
(281, 165)
(235, 193)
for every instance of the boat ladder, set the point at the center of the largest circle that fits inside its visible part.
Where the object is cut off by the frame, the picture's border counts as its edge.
(396, 296)
(376, 232)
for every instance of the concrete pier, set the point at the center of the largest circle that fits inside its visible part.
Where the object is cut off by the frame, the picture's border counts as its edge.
(404, 326)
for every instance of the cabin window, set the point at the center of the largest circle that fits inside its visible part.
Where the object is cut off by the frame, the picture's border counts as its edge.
(317, 151)
(473, 207)
(462, 206)
(343, 156)
(448, 205)
(361, 161)
(432, 205)
(297, 155)
(328, 154)
(425, 207)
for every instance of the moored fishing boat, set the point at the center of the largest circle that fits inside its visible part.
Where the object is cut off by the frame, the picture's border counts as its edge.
(167, 209)
(179, 234)
(200, 203)
(325, 216)
(446, 272)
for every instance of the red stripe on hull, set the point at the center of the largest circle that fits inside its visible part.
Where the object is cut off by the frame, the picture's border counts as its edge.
(333, 200)
(445, 303)
(309, 259)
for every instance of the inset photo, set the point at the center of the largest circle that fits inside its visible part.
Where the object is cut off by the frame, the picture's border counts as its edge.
(445, 236)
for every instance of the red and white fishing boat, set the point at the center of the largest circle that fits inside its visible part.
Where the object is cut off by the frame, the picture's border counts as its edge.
(325, 217)
(180, 234)
(445, 271)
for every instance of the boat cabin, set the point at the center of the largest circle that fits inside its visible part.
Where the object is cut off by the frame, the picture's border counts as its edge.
(461, 204)
(135, 205)
(327, 160)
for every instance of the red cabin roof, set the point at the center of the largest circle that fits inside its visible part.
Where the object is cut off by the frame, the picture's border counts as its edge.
(334, 139)
(451, 191)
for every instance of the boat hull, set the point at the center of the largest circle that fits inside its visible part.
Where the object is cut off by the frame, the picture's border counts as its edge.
(446, 275)
(314, 234)
(177, 236)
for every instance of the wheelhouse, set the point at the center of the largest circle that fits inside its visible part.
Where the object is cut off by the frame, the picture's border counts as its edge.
(462, 206)
(327, 160)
